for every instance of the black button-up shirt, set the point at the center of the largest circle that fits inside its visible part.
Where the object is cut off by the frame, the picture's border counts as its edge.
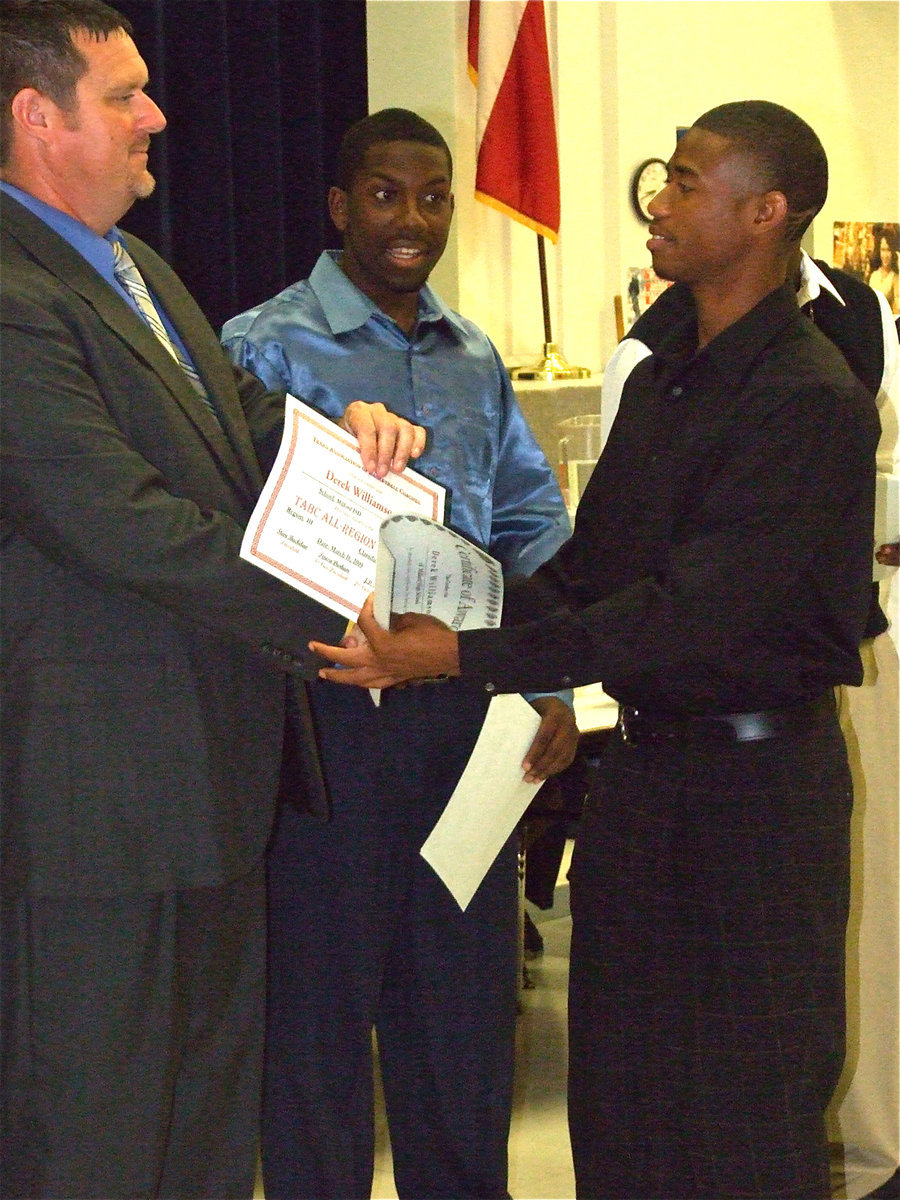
(721, 554)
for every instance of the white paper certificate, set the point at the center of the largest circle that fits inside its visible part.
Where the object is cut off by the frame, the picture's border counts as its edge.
(316, 524)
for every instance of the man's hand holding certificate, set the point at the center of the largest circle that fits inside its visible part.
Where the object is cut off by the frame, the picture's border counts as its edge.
(376, 549)
(316, 524)
(424, 567)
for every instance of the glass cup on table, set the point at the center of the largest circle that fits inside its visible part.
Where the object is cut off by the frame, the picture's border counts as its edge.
(579, 449)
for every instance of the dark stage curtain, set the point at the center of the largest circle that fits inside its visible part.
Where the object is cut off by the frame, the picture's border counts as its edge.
(257, 94)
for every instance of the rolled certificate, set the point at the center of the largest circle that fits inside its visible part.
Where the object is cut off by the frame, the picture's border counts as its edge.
(424, 567)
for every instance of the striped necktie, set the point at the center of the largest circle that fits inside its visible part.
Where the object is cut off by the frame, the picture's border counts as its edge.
(132, 281)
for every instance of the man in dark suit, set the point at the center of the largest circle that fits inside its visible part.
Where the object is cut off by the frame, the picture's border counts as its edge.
(145, 664)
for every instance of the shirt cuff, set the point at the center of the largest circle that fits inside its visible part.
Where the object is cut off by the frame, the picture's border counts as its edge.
(567, 696)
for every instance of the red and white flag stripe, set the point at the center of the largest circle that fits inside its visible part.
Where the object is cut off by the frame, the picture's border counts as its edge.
(517, 162)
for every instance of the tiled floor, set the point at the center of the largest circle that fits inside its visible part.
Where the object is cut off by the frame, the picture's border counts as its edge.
(540, 1160)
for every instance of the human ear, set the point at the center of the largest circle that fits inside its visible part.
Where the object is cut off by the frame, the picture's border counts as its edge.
(31, 111)
(771, 210)
(337, 208)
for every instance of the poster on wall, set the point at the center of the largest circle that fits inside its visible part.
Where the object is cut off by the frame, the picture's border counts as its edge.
(868, 250)
(642, 286)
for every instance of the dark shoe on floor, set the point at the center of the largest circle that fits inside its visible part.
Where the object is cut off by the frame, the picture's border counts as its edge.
(531, 939)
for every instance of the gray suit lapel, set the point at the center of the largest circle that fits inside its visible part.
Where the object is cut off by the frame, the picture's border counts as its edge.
(201, 343)
(228, 444)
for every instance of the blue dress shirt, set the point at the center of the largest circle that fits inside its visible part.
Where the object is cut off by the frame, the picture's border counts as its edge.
(326, 342)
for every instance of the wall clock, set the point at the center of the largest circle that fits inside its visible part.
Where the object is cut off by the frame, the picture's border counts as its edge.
(648, 180)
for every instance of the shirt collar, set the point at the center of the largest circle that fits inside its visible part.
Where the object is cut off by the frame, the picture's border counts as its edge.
(735, 347)
(91, 246)
(347, 308)
(812, 280)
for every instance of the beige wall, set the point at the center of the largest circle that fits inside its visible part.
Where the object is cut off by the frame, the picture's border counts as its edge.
(626, 74)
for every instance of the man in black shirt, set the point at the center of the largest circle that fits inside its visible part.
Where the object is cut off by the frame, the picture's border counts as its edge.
(863, 1116)
(717, 584)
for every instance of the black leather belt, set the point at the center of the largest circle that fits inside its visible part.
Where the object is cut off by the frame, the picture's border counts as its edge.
(646, 726)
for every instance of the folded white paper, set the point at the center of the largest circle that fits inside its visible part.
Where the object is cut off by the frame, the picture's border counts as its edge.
(488, 801)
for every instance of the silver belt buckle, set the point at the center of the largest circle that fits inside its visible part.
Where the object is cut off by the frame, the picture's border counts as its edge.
(623, 723)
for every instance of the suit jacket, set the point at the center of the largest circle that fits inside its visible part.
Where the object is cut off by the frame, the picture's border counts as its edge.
(144, 663)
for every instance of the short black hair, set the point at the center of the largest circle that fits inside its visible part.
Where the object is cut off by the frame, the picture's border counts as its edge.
(787, 153)
(36, 50)
(387, 125)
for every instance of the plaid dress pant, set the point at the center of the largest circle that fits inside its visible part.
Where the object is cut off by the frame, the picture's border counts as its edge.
(709, 902)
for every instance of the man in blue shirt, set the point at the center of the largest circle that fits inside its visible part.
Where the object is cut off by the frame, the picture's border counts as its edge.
(362, 933)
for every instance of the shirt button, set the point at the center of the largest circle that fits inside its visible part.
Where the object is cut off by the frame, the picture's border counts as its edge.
(677, 390)
(490, 687)
(567, 681)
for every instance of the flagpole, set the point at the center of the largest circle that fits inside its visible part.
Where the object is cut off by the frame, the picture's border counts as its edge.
(553, 364)
(509, 62)
(545, 294)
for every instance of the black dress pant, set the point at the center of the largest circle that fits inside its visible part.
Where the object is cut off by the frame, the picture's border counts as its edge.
(363, 934)
(132, 1044)
(709, 900)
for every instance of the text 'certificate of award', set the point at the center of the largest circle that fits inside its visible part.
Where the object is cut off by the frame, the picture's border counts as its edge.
(424, 567)
(316, 524)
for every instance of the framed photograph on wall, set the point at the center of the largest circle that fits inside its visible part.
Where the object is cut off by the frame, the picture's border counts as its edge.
(868, 250)
(642, 286)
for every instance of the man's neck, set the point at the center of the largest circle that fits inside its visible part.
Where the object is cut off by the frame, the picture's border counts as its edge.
(722, 304)
(44, 191)
(401, 307)
(404, 311)
(794, 268)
